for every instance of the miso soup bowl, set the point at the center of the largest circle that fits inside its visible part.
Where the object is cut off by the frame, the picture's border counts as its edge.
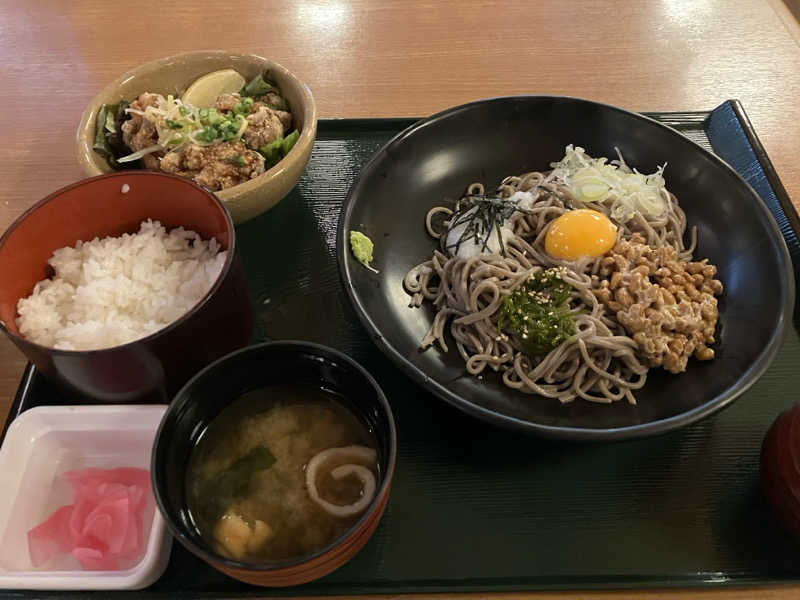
(220, 384)
(152, 368)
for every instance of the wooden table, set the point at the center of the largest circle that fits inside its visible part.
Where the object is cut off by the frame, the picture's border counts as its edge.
(372, 58)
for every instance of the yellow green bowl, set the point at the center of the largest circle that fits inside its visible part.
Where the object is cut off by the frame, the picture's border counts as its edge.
(172, 75)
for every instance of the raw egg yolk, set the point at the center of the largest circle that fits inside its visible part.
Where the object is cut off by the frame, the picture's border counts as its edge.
(579, 233)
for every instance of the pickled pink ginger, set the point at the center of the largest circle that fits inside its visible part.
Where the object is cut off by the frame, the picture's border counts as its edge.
(102, 526)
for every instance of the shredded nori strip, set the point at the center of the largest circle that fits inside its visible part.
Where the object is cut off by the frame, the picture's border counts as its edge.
(489, 214)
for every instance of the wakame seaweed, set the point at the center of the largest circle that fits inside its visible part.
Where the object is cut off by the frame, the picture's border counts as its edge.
(538, 312)
(223, 490)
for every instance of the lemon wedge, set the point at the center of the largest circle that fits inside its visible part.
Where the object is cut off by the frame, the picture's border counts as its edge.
(204, 91)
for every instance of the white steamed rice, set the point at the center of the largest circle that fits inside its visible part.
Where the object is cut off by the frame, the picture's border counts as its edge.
(112, 291)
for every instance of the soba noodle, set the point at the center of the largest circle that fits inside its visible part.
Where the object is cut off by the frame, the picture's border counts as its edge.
(599, 362)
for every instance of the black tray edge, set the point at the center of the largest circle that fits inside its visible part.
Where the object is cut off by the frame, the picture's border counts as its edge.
(19, 398)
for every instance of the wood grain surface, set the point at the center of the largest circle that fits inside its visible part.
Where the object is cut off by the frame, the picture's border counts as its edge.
(371, 58)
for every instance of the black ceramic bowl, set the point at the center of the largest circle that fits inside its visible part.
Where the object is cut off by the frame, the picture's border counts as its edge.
(152, 368)
(485, 141)
(222, 382)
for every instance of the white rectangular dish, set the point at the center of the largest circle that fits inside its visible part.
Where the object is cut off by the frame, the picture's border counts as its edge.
(43, 443)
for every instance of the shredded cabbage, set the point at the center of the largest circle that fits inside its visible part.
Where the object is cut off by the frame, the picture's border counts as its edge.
(614, 184)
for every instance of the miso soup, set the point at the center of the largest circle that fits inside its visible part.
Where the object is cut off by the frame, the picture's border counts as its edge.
(280, 473)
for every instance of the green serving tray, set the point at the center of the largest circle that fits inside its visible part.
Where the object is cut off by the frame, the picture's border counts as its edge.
(475, 508)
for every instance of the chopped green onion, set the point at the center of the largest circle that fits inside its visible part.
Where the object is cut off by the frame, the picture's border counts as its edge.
(173, 124)
(183, 110)
(237, 160)
(243, 106)
(215, 118)
(208, 134)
